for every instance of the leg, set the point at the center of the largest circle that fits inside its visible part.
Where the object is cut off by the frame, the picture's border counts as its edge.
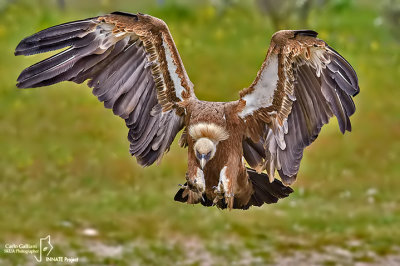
(192, 191)
(234, 185)
(224, 189)
(196, 182)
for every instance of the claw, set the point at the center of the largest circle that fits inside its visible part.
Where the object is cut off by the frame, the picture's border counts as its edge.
(215, 189)
(202, 198)
(215, 201)
(219, 195)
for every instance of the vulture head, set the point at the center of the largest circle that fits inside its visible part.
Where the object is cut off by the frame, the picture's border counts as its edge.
(205, 150)
(206, 137)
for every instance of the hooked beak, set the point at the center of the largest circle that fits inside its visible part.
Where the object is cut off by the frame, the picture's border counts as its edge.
(202, 162)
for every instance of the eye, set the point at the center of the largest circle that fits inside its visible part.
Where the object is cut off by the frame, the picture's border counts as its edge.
(198, 155)
(208, 155)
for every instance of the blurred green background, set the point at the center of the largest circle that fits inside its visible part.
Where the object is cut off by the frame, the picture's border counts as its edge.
(65, 168)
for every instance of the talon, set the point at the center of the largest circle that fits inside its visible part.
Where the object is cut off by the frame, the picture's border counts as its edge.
(183, 186)
(218, 190)
(191, 184)
(215, 201)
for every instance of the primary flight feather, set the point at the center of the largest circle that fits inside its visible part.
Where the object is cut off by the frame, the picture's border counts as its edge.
(134, 68)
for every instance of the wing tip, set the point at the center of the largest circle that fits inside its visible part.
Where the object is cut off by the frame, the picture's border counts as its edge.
(355, 85)
(357, 91)
(19, 50)
(23, 85)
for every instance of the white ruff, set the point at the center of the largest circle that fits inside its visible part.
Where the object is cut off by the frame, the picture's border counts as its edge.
(172, 71)
(208, 130)
(264, 89)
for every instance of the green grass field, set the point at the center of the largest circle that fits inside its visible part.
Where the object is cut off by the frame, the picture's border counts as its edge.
(65, 166)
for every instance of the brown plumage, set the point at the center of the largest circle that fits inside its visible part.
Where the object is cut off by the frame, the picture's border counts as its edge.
(133, 66)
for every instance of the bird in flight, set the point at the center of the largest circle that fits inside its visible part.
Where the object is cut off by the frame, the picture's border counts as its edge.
(234, 148)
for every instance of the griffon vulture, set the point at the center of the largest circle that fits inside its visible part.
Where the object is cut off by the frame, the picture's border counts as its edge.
(135, 69)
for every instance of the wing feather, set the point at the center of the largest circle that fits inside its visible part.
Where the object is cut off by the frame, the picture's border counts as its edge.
(313, 83)
(132, 66)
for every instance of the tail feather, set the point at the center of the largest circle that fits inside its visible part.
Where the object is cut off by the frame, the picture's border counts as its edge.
(179, 195)
(264, 191)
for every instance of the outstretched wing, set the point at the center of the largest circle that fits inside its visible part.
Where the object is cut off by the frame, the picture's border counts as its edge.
(301, 84)
(132, 65)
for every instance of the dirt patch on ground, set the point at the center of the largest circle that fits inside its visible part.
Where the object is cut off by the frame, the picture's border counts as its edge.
(337, 256)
